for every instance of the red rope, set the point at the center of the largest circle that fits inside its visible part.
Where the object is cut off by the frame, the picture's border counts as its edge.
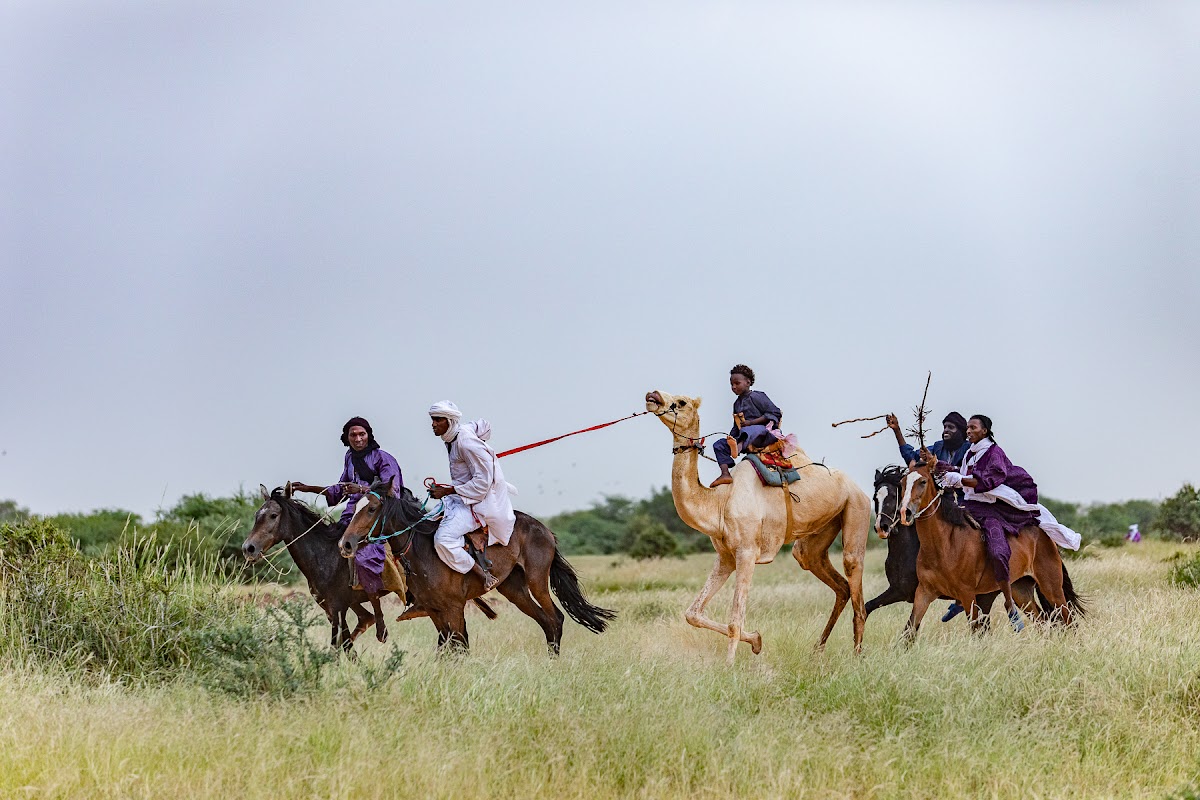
(572, 433)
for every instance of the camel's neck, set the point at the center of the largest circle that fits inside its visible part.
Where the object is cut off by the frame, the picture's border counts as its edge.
(695, 503)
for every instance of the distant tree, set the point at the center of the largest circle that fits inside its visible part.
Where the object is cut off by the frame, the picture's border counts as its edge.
(651, 539)
(95, 531)
(660, 507)
(11, 512)
(1064, 512)
(1179, 516)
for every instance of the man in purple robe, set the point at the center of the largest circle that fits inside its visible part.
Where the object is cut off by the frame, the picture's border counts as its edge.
(985, 471)
(365, 463)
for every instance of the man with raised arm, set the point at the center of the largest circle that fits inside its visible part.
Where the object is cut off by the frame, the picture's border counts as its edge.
(477, 497)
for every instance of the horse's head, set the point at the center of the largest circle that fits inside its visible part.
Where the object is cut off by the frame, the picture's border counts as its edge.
(680, 414)
(919, 492)
(267, 531)
(368, 519)
(888, 489)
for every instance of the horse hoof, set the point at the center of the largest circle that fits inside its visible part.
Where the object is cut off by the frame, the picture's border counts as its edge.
(382, 636)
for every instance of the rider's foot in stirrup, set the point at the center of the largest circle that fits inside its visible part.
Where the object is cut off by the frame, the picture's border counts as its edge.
(489, 582)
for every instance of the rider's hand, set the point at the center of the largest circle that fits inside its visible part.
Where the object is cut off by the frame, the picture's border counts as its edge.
(892, 422)
(437, 492)
(297, 486)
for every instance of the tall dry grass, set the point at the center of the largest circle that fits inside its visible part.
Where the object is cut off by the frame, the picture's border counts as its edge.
(650, 710)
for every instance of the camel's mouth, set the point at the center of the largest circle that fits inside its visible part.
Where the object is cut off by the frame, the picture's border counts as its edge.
(654, 401)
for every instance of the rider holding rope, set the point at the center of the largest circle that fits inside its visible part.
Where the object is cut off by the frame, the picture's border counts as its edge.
(477, 497)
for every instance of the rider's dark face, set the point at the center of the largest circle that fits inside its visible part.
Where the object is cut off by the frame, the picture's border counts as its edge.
(739, 383)
(440, 425)
(358, 437)
(949, 431)
(975, 430)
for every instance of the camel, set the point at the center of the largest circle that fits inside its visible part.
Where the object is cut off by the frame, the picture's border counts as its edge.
(747, 524)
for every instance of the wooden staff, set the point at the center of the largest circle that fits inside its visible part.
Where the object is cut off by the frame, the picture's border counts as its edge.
(865, 419)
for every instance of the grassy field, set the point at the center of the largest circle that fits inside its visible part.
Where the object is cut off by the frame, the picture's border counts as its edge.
(649, 709)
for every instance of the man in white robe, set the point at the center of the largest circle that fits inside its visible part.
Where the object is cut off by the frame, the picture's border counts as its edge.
(477, 497)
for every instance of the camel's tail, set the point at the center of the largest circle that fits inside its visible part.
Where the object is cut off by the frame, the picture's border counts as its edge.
(565, 584)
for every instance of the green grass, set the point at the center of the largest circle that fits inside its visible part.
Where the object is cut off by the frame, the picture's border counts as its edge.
(649, 709)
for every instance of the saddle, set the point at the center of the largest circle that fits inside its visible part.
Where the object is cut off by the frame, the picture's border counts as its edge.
(773, 469)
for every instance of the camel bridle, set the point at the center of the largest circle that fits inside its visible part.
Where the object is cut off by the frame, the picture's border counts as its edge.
(691, 442)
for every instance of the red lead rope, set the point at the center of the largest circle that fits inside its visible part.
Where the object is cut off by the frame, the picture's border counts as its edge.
(572, 433)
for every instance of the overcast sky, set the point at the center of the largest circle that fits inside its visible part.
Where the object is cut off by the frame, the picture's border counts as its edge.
(227, 227)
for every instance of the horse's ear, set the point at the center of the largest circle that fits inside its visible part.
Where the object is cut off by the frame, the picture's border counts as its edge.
(878, 476)
(263, 491)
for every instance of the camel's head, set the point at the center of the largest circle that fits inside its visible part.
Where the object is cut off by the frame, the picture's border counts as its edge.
(919, 491)
(680, 414)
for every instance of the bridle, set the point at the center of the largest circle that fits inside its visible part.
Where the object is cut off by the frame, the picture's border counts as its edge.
(690, 442)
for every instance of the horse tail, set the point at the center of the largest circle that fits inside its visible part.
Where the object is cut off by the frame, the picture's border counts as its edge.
(565, 584)
(1074, 599)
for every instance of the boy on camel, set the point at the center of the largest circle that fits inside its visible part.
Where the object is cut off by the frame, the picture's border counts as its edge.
(754, 419)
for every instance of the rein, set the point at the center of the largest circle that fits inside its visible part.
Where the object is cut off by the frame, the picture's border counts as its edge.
(693, 442)
(523, 448)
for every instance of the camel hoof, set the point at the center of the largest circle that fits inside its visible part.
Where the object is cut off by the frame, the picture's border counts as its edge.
(756, 645)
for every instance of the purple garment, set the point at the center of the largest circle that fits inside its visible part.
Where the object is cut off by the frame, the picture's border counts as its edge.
(368, 562)
(999, 519)
(385, 468)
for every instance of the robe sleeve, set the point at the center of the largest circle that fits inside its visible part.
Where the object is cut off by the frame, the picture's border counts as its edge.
(479, 460)
(908, 453)
(389, 470)
(333, 494)
(992, 471)
(769, 409)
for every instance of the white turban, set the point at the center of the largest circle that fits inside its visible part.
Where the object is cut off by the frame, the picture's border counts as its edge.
(448, 410)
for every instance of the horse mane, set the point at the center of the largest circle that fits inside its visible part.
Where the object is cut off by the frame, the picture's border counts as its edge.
(891, 475)
(407, 509)
(299, 512)
(952, 512)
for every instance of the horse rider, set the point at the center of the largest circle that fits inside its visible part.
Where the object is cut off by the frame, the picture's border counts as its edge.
(1002, 497)
(365, 463)
(951, 449)
(477, 496)
(754, 419)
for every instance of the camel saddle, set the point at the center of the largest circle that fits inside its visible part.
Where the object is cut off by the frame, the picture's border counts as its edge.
(772, 468)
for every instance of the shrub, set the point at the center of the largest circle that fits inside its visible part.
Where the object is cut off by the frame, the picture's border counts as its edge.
(651, 539)
(1179, 516)
(1185, 572)
(136, 615)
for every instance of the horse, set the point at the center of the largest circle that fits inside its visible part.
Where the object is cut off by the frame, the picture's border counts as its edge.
(528, 568)
(313, 545)
(953, 559)
(900, 566)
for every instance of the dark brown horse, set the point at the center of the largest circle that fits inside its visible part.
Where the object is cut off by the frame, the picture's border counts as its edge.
(953, 560)
(900, 567)
(313, 545)
(528, 568)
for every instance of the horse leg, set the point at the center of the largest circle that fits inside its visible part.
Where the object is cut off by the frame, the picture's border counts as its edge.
(456, 629)
(921, 602)
(381, 631)
(1022, 591)
(716, 579)
(1049, 576)
(514, 588)
(745, 561)
(364, 617)
(890, 595)
(537, 579)
(344, 632)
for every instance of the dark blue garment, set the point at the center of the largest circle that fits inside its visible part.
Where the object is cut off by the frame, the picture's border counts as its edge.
(955, 458)
(756, 435)
(753, 405)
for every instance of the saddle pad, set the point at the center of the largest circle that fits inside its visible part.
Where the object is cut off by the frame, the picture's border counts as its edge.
(772, 476)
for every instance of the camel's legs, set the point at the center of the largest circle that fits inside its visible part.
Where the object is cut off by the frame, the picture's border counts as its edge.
(746, 559)
(856, 528)
(920, 605)
(812, 554)
(716, 579)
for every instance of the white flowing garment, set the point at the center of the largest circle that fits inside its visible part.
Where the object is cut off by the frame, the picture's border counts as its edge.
(479, 482)
(1060, 534)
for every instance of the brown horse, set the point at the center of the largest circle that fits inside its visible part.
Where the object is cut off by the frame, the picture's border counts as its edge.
(313, 544)
(528, 568)
(953, 560)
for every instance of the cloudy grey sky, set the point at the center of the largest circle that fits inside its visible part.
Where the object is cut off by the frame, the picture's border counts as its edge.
(227, 227)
